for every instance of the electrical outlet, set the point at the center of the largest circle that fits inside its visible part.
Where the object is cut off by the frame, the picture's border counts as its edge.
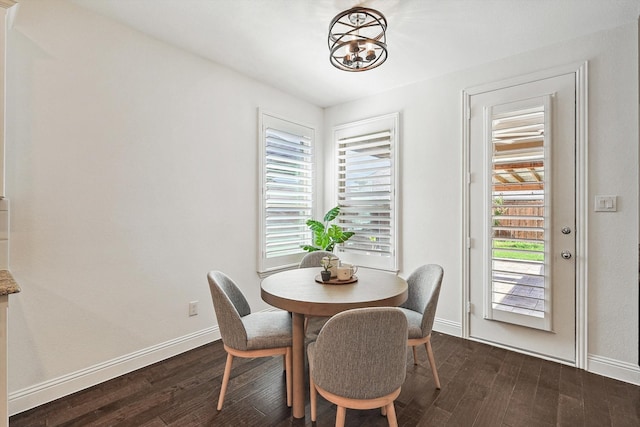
(193, 308)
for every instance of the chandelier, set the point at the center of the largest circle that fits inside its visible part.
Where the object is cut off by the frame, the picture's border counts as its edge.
(357, 40)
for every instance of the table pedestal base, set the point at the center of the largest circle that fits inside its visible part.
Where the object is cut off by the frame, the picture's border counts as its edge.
(298, 365)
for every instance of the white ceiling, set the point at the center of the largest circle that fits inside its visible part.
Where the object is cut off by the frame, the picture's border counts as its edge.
(284, 42)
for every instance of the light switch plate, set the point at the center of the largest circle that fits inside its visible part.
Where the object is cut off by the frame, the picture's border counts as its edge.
(606, 203)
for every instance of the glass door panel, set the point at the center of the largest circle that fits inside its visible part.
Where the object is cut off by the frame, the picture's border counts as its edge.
(518, 291)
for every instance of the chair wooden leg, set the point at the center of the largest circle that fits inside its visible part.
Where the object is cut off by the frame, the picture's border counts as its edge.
(341, 415)
(287, 374)
(313, 398)
(225, 380)
(432, 362)
(391, 415)
(415, 355)
(383, 411)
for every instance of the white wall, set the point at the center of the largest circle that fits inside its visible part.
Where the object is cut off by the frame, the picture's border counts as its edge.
(131, 171)
(431, 172)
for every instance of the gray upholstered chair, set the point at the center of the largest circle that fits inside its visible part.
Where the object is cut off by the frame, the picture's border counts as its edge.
(312, 259)
(246, 334)
(420, 309)
(359, 361)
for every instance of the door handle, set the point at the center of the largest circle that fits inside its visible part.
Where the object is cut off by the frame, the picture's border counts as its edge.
(566, 254)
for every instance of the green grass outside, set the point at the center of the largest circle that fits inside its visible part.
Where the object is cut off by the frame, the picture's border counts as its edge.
(501, 250)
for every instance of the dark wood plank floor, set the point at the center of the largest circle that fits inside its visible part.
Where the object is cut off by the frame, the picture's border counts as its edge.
(481, 386)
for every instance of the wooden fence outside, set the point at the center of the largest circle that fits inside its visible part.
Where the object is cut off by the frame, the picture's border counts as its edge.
(519, 219)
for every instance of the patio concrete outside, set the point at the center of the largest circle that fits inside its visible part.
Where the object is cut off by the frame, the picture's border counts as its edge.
(518, 287)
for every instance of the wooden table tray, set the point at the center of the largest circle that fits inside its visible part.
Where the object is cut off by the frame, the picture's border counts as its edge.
(336, 281)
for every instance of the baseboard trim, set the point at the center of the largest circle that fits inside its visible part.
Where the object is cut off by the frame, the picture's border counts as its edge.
(447, 327)
(612, 368)
(47, 391)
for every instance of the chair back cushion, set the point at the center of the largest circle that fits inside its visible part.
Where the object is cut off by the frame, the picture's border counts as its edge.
(424, 291)
(361, 353)
(312, 259)
(230, 306)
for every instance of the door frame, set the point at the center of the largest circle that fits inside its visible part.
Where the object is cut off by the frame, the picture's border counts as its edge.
(582, 205)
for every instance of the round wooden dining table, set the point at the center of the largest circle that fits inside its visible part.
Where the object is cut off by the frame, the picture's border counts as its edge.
(298, 291)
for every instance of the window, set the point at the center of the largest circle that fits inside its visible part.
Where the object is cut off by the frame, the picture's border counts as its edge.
(287, 185)
(366, 158)
(520, 140)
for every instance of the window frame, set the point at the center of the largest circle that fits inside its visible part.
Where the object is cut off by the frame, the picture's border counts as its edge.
(390, 123)
(268, 120)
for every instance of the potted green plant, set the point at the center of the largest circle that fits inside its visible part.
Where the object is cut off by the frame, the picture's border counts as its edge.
(325, 234)
(326, 273)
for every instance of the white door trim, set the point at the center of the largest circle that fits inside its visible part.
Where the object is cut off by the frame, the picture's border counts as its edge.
(582, 210)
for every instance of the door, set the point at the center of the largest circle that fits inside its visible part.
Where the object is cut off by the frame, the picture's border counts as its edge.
(521, 202)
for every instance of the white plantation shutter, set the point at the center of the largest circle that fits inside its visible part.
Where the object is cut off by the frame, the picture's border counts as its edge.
(366, 191)
(287, 191)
